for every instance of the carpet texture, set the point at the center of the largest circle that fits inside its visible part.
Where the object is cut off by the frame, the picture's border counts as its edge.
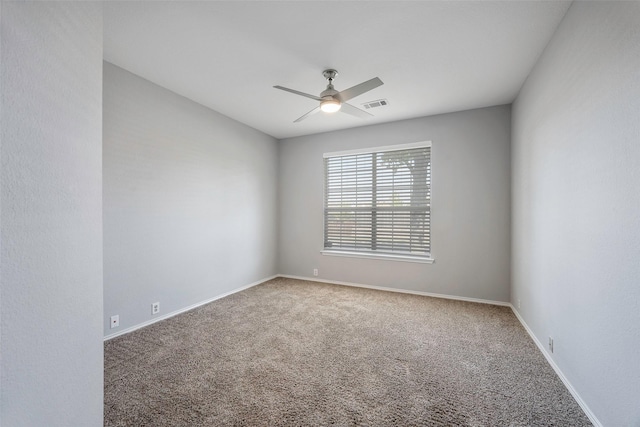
(296, 353)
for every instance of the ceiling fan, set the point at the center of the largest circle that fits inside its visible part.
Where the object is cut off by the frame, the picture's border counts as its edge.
(331, 100)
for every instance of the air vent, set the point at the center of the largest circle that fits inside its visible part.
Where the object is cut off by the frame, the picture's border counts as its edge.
(376, 103)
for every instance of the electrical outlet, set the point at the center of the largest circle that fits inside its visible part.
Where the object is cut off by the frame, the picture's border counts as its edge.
(315, 271)
(115, 321)
(551, 344)
(155, 308)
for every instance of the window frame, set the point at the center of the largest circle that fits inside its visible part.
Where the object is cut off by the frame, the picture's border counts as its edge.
(399, 256)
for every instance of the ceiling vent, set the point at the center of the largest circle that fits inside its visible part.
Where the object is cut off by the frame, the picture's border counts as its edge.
(376, 103)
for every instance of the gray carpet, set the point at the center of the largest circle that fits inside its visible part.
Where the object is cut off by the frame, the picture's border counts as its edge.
(295, 353)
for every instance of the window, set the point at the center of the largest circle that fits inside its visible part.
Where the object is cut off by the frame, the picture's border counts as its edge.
(377, 202)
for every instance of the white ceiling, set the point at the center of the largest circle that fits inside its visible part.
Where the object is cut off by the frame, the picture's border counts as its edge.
(433, 56)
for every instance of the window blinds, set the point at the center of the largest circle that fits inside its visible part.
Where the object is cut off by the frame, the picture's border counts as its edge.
(378, 202)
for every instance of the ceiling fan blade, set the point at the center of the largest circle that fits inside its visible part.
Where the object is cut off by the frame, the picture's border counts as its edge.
(356, 90)
(350, 109)
(299, 119)
(297, 92)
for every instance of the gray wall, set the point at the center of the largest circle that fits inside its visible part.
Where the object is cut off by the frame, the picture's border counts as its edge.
(51, 210)
(470, 205)
(576, 205)
(189, 201)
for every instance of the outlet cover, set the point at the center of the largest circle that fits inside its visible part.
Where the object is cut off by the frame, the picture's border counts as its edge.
(155, 308)
(115, 321)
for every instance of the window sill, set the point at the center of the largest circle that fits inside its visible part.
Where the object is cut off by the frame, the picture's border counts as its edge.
(388, 257)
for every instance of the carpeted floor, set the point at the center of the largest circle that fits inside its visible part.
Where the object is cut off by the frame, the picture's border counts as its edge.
(296, 353)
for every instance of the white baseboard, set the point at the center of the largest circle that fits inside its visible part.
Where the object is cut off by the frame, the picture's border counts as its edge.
(594, 420)
(402, 291)
(312, 279)
(182, 310)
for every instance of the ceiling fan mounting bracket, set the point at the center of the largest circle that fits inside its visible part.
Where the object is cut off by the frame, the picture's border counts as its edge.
(330, 74)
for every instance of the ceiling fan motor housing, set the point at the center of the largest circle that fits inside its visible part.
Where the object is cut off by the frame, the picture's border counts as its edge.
(329, 92)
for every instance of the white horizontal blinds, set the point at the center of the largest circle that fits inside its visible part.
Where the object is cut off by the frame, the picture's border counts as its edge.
(379, 201)
(349, 202)
(403, 201)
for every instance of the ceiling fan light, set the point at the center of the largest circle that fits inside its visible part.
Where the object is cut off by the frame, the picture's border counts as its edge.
(330, 105)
